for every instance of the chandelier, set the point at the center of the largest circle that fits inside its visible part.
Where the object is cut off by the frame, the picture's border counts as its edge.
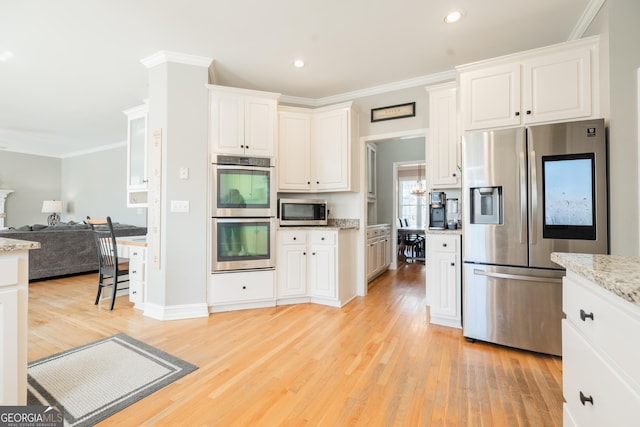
(419, 189)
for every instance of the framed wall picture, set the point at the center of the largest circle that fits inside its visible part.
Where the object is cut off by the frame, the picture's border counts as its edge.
(392, 112)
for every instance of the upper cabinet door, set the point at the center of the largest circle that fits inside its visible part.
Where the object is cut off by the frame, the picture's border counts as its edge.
(260, 126)
(491, 97)
(331, 156)
(293, 151)
(443, 144)
(242, 122)
(137, 183)
(227, 123)
(557, 87)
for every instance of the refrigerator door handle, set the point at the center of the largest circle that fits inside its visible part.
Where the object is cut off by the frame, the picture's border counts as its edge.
(534, 197)
(523, 199)
(516, 276)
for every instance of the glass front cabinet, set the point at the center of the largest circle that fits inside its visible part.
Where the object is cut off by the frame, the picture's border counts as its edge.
(137, 156)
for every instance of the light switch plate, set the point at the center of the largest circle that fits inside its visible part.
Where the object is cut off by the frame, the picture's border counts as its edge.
(184, 173)
(179, 206)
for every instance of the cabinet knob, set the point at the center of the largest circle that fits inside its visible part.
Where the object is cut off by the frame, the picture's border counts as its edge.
(133, 271)
(308, 182)
(444, 245)
(294, 238)
(313, 253)
(453, 264)
(134, 292)
(304, 253)
(584, 315)
(584, 399)
(529, 112)
(317, 182)
(244, 287)
(517, 113)
(241, 146)
(322, 238)
(454, 174)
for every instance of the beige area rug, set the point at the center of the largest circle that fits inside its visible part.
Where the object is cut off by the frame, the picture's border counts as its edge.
(97, 380)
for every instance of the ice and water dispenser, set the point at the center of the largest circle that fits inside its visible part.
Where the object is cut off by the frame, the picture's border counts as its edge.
(486, 205)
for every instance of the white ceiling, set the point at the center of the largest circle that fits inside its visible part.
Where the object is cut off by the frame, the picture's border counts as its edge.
(76, 63)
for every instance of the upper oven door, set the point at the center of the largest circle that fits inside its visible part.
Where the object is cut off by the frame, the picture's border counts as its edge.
(243, 191)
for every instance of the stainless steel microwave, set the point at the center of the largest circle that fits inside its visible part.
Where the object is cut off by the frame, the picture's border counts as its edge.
(300, 212)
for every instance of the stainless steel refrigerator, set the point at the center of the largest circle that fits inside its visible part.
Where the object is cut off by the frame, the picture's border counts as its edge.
(528, 192)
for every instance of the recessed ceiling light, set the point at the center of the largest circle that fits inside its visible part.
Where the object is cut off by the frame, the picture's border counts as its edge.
(298, 63)
(6, 55)
(453, 17)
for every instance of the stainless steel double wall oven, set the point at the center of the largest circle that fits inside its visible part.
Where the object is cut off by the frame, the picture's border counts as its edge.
(243, 213)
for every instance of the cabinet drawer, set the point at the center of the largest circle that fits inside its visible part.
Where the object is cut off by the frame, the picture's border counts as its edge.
(243, 287)
(584, 371)
(292, 236)
(323, 237)
(136, 253)
(605, 322)
(443, 243)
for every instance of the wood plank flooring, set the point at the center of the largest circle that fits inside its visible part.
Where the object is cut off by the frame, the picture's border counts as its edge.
(375, 362)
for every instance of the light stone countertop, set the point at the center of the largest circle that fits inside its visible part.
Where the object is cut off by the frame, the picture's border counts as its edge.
(11, 245)
(332, 224)
(615, 273)
(446, 231)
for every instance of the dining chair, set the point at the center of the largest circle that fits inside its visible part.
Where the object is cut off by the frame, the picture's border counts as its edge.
(111, 268)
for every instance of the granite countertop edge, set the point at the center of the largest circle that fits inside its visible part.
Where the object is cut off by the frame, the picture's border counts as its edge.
(12, 245)
(618, 274)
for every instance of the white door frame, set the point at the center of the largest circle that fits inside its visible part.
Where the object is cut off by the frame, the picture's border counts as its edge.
(415, 133)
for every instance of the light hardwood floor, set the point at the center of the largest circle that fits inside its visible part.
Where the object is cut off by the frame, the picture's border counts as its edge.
(375, 362)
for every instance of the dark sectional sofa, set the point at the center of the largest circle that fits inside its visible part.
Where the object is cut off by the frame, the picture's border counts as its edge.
(64, 248)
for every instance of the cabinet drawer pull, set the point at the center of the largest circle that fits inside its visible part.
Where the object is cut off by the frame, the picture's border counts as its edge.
(584, 399)
(584, 316)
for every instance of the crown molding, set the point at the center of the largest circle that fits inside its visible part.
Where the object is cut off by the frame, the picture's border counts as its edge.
(164, 56)
(586, 19)
(94, 150)
(376, 90)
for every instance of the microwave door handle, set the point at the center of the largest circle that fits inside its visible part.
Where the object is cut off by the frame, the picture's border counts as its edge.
(534, 197)
(523, 199)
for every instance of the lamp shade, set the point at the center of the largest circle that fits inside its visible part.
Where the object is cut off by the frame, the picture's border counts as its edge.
(51, 206)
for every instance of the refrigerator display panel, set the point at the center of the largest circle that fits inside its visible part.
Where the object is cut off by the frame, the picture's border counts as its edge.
(568, 196)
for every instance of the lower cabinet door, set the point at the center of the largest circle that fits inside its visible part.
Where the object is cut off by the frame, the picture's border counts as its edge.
(595, 395)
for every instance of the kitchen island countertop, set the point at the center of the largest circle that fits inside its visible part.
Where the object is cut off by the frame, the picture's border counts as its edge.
(615, 273)
(10, 245)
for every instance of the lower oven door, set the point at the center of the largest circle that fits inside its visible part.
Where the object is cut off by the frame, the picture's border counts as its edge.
(242, 243)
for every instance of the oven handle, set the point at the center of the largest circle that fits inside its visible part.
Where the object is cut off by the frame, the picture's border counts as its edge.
(244, 168)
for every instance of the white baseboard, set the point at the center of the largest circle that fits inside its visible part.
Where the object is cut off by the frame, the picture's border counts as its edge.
(175, 312)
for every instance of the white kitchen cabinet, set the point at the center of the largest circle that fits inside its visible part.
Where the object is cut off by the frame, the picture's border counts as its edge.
(294, 150)
(543, 85)
(444, 146)
(241, 290)
(242, 121)
(600, 370)
(292, 263)
(378, 250)
(14, 297)
(317, 149)
(137, 270)
(444, 279)
(137, 189)
(309, 266)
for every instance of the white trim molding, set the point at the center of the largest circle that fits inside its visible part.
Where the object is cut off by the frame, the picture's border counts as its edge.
(176, 312)
(586, 19)
(164, 56)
